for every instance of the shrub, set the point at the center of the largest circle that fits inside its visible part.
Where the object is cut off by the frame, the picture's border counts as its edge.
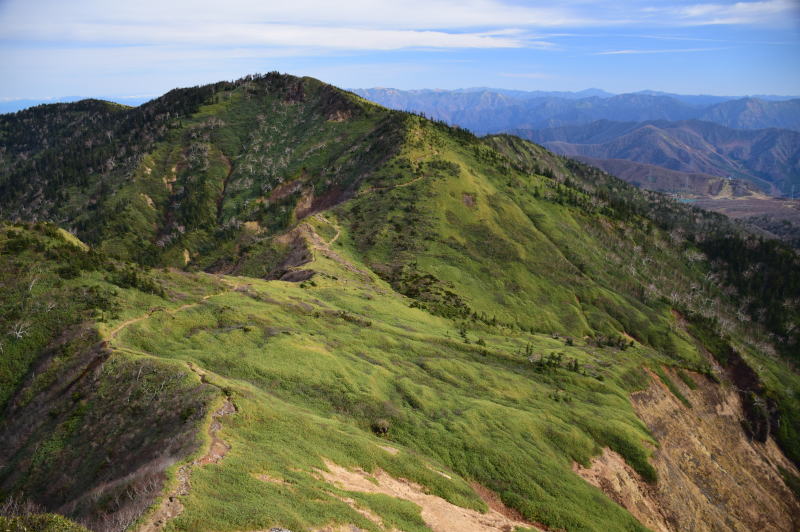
(380, 427)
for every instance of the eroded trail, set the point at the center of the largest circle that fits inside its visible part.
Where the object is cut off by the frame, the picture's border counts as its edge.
(114, 332)
(335, 226)
(170, 505)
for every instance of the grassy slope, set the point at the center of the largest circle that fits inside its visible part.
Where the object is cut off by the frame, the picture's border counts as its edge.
(237, 160)
(293, 360)
(296, 366)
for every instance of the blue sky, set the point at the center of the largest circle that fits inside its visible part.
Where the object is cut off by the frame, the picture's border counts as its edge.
(144, 48)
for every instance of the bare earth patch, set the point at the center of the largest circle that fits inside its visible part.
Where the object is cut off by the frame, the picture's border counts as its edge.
(620, 482)
(363, 511)
(390, 450)
(438, 514)
(711, 476)
(267, 478)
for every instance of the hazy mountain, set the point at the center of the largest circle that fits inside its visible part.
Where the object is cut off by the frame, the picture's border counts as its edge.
(11, 106)
(752, 113)
(492, 110)
(269, 304)
(767, 157)
(663, 179)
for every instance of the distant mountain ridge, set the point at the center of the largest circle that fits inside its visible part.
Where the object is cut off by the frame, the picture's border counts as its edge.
(496, 110)
(14, 105)
(662, 179)
(767, 157)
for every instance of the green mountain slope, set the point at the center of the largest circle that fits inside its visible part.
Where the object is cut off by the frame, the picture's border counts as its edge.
(470, 315)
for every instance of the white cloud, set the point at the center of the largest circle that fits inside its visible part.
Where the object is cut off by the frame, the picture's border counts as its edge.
(284, 35)
(344, 24)
(767, 12)
(383, 14)
(352, 25)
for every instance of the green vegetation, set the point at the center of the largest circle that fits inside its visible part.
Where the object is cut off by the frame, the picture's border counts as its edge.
(687, 379)
(481, 306)
(671, 385)
(39, 523)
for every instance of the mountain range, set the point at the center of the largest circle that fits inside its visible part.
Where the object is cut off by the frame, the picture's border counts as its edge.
(493, 111)
(769, 158)
(271, 304)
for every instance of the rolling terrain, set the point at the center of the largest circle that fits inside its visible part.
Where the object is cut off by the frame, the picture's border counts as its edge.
(272, 303)
(768, 158)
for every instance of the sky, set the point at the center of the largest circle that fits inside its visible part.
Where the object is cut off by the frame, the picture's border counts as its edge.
(143, 48)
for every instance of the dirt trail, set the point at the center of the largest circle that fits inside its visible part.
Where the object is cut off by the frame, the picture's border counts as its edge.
(171, 506)
(409, 182)
(114, 332)
(390, 187)
(438, 514)
(317, 243)
(335, 226)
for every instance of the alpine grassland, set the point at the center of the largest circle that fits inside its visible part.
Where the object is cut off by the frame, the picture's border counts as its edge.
(265, 277)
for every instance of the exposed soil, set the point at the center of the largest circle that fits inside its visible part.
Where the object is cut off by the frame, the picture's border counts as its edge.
(332, 197)
(494, 502)
(711, 476)
(318, 244)
(352, 528)
(303, 205)
(390, 450)
(297, 255)
(218, 448)
(438, 514)
(621, 483)
(390, 187)
(338, 229)
(267, 478)
(288, 188)
(171, 505)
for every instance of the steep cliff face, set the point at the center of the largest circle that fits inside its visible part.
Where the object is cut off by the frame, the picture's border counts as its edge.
(711, 475)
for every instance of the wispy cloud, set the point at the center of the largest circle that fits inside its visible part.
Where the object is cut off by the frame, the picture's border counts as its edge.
(346, 25)
(355, 24)
(766, 12)
(97, 45)
(663, 51)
